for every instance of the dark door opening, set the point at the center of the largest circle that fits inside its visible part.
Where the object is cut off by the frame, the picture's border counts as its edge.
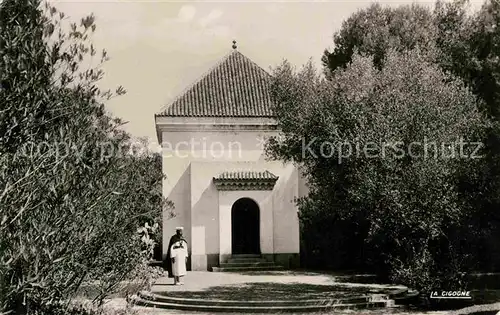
(245, 227)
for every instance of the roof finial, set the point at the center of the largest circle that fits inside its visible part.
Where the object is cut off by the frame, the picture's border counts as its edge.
(234, 44)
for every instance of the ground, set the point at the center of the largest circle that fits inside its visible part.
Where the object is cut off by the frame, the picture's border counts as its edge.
(202, 280)
(248, 286)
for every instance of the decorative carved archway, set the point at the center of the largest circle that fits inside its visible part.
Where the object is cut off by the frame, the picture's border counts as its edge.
(245, 212)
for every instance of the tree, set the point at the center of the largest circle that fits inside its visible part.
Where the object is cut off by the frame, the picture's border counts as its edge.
(464, 44)
(376, 30)
(460, 42)
(371, 141)
(78, 204)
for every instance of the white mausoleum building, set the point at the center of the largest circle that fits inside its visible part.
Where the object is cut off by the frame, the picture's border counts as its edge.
(227, 196)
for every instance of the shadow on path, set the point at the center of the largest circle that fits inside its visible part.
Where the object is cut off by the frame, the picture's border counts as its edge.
(274, 291)
(348, 276)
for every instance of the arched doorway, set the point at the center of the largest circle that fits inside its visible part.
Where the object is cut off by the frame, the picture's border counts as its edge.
(245, 227)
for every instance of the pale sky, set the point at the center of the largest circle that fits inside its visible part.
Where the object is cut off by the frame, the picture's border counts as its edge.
(158, 48)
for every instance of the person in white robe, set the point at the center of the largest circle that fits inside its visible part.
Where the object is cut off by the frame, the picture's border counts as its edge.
(179, 254)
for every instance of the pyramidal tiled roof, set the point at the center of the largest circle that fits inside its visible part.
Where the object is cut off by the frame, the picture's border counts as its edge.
(234, 87)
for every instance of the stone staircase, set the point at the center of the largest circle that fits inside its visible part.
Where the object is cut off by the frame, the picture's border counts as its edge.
(239, 263)
(161, 300)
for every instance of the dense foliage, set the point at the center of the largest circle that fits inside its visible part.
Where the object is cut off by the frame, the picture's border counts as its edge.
(80, 200)
(397, 79)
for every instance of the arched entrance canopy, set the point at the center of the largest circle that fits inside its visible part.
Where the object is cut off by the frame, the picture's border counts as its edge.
(245, 180)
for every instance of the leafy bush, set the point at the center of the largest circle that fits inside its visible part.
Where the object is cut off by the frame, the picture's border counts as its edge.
(83, 308)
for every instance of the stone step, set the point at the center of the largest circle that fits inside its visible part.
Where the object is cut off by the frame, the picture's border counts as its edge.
(246, 260)
(163, 297)
(398, 293)
(255, 309)
(410, 297)
(246, 256)
(247, 264)
(255, 268)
